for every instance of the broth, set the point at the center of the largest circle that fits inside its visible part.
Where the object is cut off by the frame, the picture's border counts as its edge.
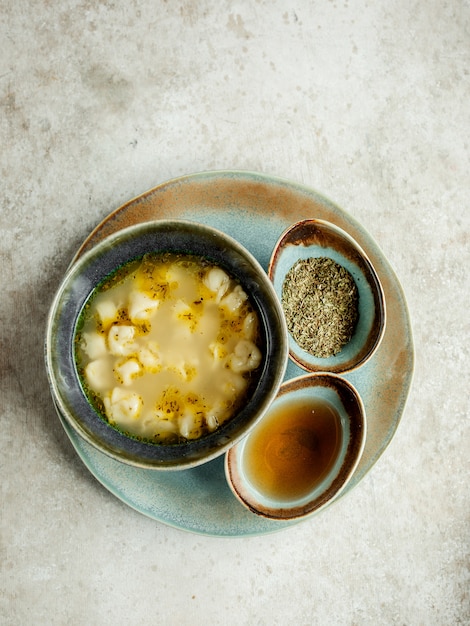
(167, 347)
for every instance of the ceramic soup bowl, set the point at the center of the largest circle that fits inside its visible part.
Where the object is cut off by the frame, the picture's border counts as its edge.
(90, 420)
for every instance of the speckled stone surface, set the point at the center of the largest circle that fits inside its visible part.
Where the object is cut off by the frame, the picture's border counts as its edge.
(366, 102)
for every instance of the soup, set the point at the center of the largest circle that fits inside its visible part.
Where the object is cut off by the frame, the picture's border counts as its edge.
(167, 347)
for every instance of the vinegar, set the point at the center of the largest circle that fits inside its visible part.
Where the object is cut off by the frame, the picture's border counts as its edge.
(293, 448)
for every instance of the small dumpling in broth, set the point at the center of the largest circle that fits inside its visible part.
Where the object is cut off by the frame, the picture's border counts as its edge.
(141, 307)
(246, 356)
(94, 345)
(121, 340)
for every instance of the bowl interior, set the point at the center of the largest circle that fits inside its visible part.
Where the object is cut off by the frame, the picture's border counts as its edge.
(317, 238)
(91, 269)
(343, 397)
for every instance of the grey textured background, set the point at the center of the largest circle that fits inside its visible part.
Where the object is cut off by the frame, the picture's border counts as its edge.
(366, 102)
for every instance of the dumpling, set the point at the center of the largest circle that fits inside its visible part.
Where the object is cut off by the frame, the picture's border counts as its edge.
(218, 351)
(121, 340)
(217, 281)
(98, 374)
(245, 357)
(234, 299)
(141, 307)
(189, 425)
(94, 345)
(217, 414)
(127, 370)
(250, 326)
(149, 356)
(107, 312)
(232, 384)
(123, 406)
(159, 427)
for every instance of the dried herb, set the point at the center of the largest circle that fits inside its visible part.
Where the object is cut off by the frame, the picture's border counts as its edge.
(320, 301)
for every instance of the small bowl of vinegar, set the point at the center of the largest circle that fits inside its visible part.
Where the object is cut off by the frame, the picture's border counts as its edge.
(303, 452)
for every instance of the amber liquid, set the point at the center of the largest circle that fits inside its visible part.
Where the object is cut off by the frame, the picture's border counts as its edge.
(293, 449)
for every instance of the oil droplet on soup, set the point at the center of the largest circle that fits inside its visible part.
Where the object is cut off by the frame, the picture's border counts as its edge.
(167, 347)
(293, 449)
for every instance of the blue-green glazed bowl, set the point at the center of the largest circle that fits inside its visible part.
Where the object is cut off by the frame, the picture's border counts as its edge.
(312, 238)
(341, 395)
(91, 269)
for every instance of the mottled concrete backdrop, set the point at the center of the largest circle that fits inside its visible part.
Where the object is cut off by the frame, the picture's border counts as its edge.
(368, 102)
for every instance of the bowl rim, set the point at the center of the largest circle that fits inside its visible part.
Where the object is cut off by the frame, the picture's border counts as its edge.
(378, 292)
(274, 367)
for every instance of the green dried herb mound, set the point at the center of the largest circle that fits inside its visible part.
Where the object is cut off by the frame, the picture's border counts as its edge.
(320, 302)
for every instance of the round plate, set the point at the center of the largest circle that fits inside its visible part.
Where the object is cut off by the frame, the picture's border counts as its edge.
(255, 210)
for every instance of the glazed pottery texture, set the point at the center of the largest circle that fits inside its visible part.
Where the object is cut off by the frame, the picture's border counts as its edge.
(255, 210)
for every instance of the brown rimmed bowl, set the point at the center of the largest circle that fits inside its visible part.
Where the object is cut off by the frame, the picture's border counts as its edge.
(312, 238)
(342, 397)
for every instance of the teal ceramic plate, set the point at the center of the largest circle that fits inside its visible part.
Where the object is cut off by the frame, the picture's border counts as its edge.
(255, 209)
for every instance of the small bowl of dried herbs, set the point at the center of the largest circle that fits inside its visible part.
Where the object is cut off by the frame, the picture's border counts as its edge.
(331, 296)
